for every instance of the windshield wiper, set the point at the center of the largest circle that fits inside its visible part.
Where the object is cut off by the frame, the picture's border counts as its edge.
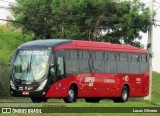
(31, 71)
(28, 69)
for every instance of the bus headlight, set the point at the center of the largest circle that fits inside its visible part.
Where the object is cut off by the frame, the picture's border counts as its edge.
(42, 85)
(12, 85)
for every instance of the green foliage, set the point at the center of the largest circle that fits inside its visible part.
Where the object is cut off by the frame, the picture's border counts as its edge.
(9, 41)
(83, 19)
(5, 74)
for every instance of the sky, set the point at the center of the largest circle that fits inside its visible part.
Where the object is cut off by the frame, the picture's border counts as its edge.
(156, 30)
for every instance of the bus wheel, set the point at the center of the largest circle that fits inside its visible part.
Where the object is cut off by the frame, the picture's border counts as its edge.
(72, 97)
(92, 100)
(124, 96)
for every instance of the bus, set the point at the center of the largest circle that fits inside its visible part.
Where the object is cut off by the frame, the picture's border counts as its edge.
(72, 69)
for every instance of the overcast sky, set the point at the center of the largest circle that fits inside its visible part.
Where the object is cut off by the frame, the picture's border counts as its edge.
(156, 30)
(156, 35)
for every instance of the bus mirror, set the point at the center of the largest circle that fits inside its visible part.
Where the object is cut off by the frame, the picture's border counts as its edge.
(52, 71)
(52, 65)
(60, 66)
(11, 59)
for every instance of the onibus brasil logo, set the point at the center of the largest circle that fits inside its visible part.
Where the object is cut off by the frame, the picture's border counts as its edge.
(21, 110)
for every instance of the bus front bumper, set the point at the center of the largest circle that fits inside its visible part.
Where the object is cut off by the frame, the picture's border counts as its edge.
(16, 93)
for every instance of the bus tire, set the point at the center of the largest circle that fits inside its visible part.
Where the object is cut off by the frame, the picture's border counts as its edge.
(92, 100)
(124, 96)
(72, 95)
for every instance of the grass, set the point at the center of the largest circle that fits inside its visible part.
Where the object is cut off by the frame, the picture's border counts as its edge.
(156, 88)
(23, 102)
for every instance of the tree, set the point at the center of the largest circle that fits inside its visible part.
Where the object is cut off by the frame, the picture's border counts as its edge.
(96, 20)
(34, 17)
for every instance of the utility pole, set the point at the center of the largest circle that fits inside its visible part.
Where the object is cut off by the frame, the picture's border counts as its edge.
(149, 48)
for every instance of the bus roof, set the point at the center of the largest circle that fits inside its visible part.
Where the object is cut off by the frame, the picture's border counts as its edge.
(48, 43)
(90, 45)
(57, 44)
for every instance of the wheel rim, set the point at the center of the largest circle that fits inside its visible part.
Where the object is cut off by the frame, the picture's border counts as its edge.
(124, 94)
(71, 94)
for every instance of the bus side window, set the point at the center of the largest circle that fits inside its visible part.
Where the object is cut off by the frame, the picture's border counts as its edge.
(87, 54)
(122, 63)
(60, 53)
(123, 57)
(135, 58)
(99, 55)
(72, 63)
(144, 58)
(98, 62)
(80, 54)
(111, 56)
(105, 55)
(52, 63)
(73, 54)
(144, 63)
(67, 54)
(60, 66)
(111, 63)
(134, 64)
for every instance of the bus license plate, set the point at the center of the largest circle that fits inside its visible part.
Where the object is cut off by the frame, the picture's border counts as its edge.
(25, 93)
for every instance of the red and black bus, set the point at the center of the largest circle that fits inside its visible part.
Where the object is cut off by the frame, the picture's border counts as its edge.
(72, 69)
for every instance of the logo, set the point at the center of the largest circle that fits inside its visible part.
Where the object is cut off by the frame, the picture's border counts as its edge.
(126, 78)
(6, 110)
(138, 80)
(21, 110)
(90, 80)
(109, 80)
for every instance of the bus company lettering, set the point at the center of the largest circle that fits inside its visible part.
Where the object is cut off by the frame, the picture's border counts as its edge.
(109, 81)
(138, 80)
(34, 52)
(90, 80)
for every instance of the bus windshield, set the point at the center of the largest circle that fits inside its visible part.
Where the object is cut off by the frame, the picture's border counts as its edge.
(30, 65)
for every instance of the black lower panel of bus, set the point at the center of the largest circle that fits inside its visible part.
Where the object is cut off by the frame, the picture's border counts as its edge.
(27, 93)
